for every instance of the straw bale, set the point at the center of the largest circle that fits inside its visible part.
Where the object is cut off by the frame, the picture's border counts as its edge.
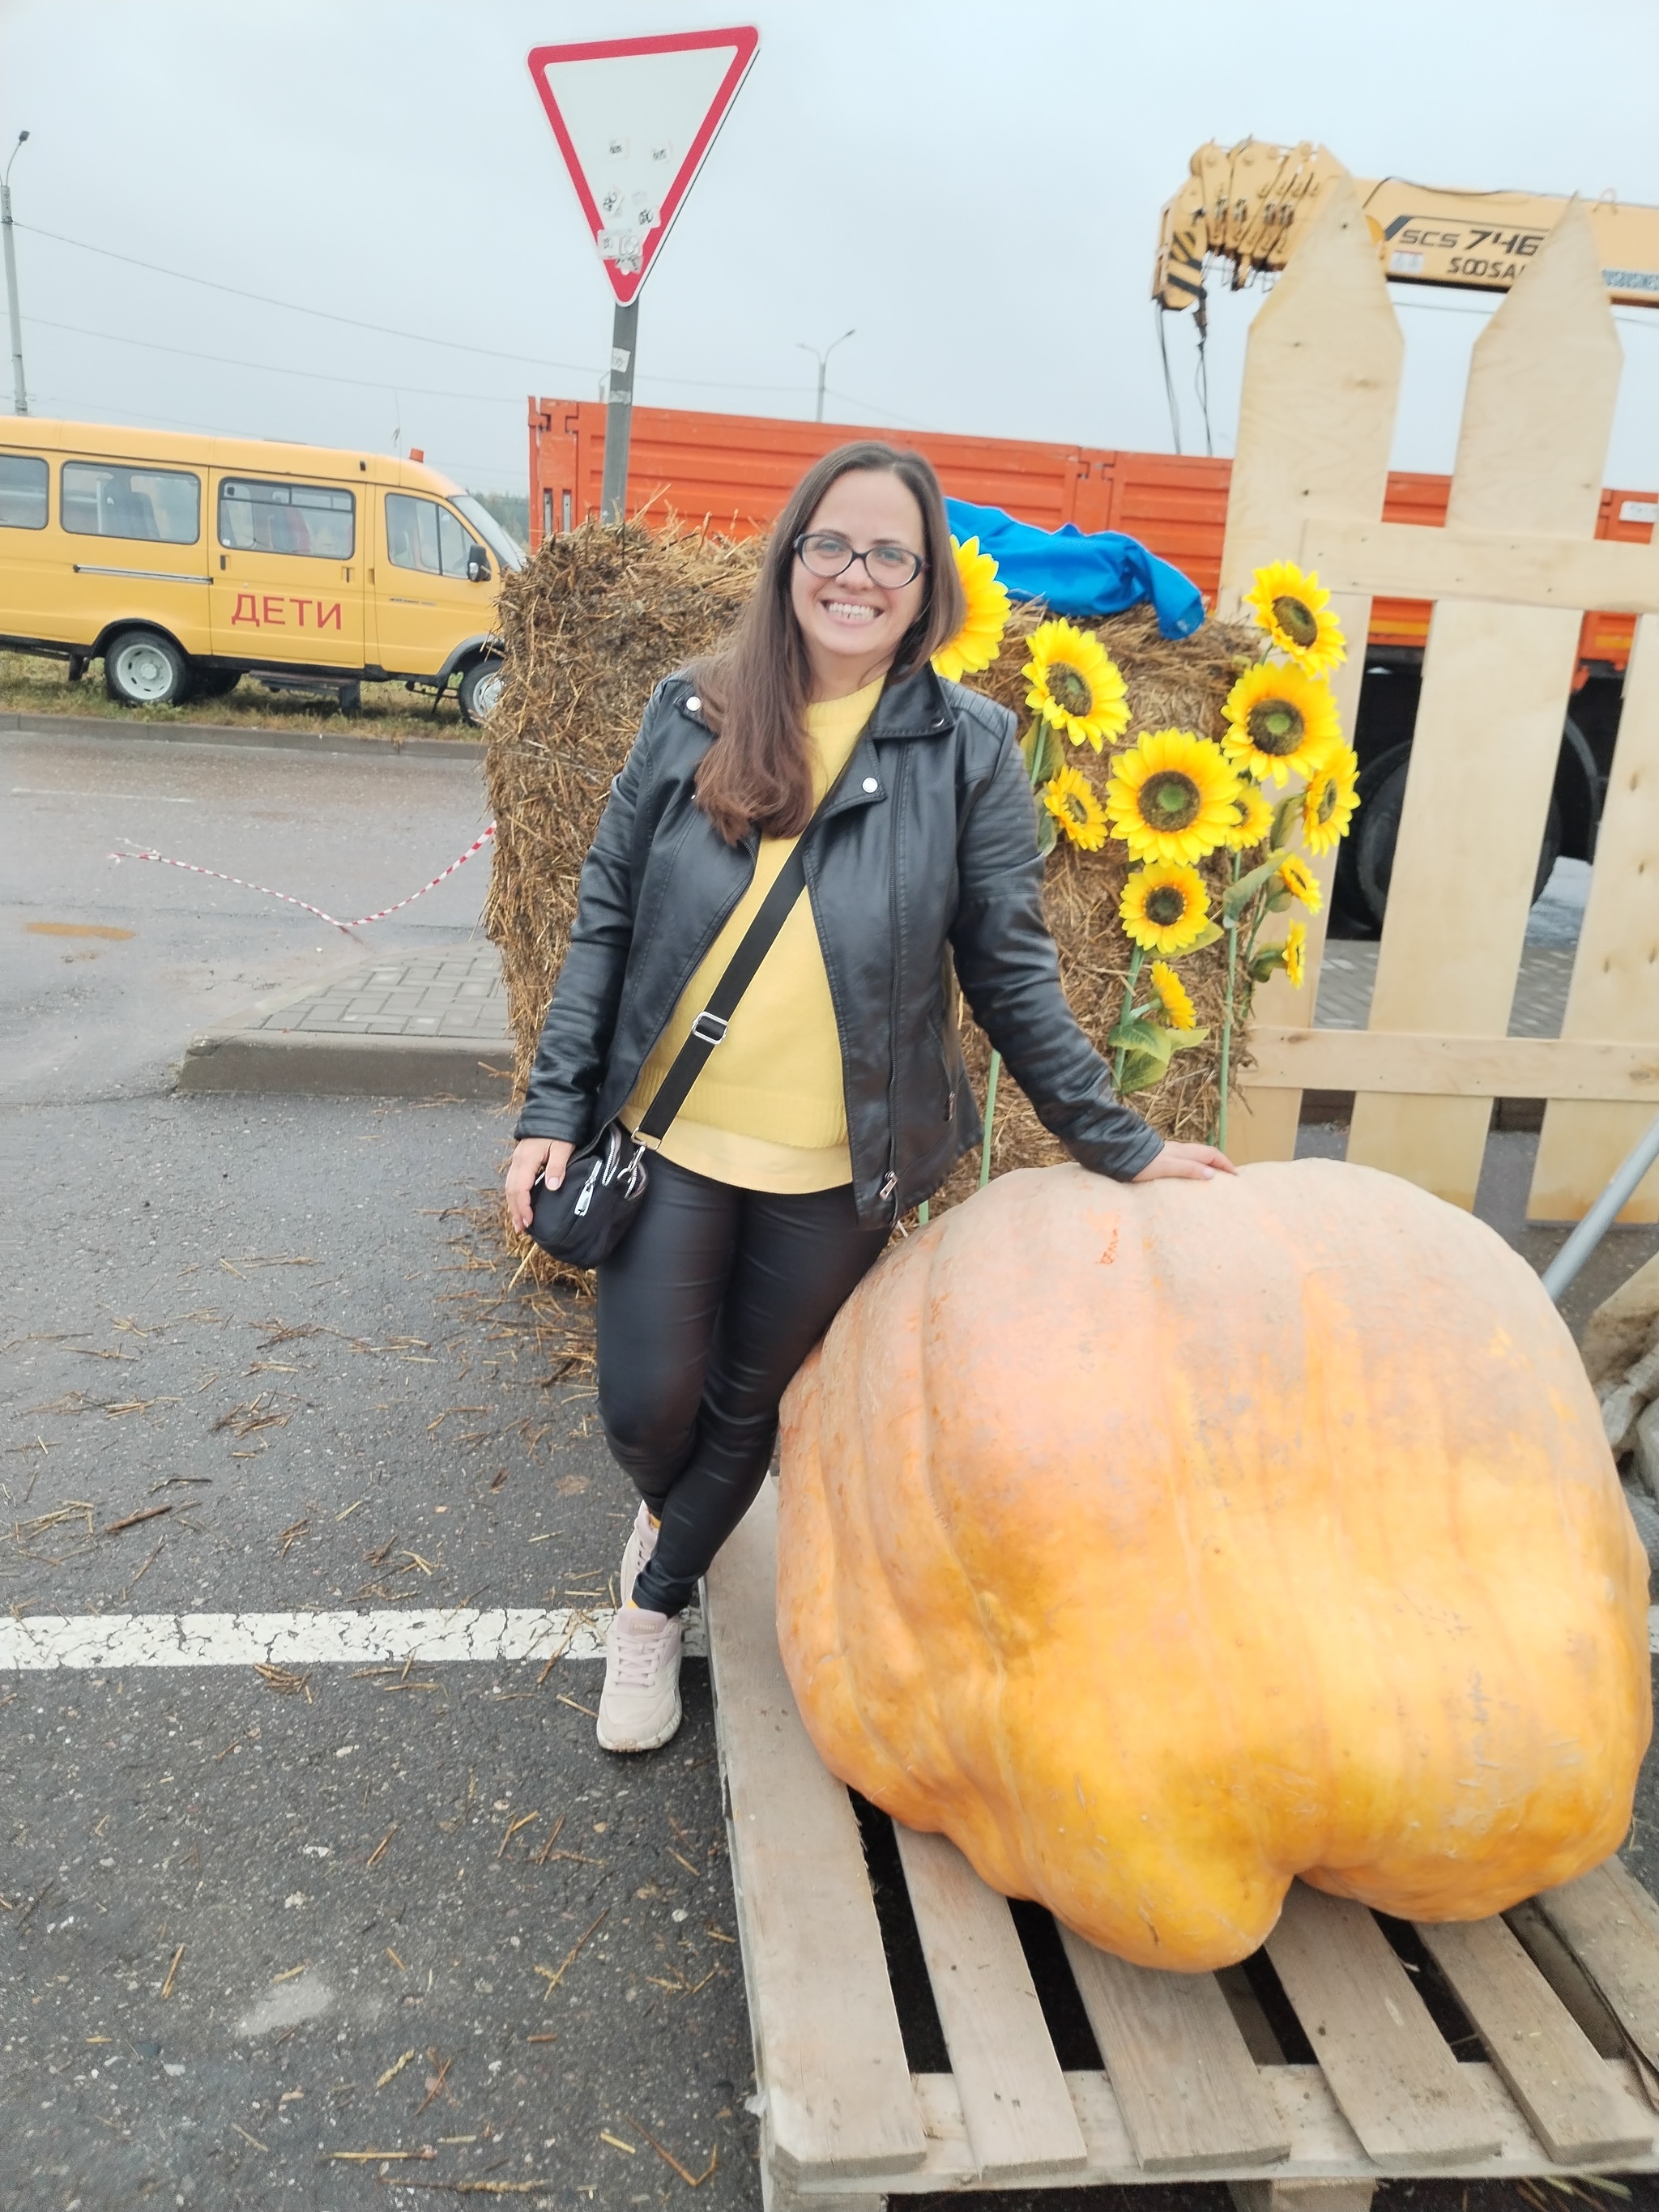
(600, 614)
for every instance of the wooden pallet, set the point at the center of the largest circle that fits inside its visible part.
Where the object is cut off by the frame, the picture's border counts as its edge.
(1564, 1995)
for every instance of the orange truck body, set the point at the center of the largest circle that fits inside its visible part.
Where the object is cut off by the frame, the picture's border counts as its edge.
(738, 470)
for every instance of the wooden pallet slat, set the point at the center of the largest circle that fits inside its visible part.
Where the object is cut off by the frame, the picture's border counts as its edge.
(1015, 2103)
(1388, 2067)
(1190, 2094)
(1610, 1925)
(836, 2079)
(1548, 2064)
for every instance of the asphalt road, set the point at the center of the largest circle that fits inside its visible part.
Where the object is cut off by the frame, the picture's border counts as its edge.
(254, 1926)
(107, 1015)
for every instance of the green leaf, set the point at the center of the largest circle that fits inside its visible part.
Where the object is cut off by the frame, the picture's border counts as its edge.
(1269, 957)
(1184, 1040)
(1048, 832)
(1138, 1035)
(1240, 893)
(1285, 814)
(1211, 931)
(1141, 1072)
(1278, 902)
(1044, 754)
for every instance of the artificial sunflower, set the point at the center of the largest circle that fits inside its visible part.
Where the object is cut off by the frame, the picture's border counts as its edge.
(1296, 951)
(1300, 881)
(1075, 684)
(1294, 610)
(1163, 909)
(1172, 797)
(985, 616)
(1069, 797)
(1178, 1009)
(1329, 803)
(1255, 817)
(1279, 719)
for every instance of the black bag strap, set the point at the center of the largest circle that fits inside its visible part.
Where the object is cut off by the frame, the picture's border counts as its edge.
(711, 1023)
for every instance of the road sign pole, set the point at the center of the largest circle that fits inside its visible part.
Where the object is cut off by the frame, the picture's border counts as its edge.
(619, 411)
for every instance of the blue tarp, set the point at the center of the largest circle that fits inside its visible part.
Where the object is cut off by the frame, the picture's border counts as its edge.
(1096, 572)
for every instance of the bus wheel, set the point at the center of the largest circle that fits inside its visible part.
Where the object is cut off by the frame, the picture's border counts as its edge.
(481, 687)
(141, 669)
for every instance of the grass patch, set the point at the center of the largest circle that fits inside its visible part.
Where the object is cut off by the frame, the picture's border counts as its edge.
(32, 686)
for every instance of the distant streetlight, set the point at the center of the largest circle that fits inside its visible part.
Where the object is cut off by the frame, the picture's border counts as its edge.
(822, 359)
(19, 390)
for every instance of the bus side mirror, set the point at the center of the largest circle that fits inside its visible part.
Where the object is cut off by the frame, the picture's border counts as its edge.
(477, 565)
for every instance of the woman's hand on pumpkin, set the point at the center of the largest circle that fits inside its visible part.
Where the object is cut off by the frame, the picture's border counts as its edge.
(1186, 1164)
(546, 1157)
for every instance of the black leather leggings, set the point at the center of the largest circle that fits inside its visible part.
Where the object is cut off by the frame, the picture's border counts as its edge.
(707, 1309)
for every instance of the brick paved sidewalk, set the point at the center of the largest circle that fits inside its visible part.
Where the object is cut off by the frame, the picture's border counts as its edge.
(1348, 975)
(453, 994)
(458, 993)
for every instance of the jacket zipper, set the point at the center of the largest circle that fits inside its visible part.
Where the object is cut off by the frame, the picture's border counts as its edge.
(890, 1183)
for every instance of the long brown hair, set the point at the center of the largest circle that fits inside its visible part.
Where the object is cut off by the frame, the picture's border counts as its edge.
(755, 691)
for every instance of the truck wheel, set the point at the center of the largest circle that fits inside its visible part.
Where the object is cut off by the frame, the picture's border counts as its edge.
(1366, 864)
(481, 687)
(142, 669)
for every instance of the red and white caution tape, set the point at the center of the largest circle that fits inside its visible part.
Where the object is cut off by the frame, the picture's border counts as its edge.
(191, 868)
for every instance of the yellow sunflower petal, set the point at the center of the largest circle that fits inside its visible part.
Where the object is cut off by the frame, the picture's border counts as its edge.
(1279, 719)
(1164, 907)
(1300, 881)
(1172, 797)
(1069, 797)
(1178, 1008)
(1075, 684)
(1255, 817)
(1295, 611)
(1295, 948)
(1329, 801)
(985, 616)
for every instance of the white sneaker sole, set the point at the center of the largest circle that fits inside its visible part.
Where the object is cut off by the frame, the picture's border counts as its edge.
(665, 1734)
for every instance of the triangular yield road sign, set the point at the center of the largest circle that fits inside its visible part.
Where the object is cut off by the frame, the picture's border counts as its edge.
(634, 120)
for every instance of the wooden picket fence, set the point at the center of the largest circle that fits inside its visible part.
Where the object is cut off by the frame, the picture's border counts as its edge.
(1510, 574)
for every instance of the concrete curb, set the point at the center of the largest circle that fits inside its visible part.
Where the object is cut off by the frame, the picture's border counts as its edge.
(221, 733)
(324, 1065)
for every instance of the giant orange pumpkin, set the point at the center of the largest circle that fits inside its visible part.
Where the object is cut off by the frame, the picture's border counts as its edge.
(1160, 1544)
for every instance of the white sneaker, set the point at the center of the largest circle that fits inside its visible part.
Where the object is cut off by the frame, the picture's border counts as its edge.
(636, 1552)
(640, 1705)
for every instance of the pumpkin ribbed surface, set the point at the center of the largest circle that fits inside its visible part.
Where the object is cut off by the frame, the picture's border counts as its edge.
(1160, 1544)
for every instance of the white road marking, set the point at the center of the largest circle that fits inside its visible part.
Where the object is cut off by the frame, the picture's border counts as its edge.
(39, 1643)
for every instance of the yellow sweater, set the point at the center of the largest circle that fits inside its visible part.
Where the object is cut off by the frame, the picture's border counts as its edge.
(768, 1112)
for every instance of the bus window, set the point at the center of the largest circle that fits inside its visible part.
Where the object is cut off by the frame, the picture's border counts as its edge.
(22, 493)
(280, 517)
(421, 534)
(103, 499)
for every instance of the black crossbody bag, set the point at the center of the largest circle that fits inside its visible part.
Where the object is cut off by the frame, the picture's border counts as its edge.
(586, 1218)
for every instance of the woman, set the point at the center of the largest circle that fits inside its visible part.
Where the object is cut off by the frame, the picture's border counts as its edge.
(836, 1098)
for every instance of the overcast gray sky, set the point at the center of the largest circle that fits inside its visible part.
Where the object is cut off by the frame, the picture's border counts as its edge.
(973, 185)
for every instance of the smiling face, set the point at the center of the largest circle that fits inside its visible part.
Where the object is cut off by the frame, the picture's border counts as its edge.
(853, 626)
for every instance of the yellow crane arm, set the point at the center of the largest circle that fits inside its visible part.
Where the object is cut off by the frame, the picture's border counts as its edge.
(1249, 204)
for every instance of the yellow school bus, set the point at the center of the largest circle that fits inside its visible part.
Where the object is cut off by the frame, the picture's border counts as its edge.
(185, 562)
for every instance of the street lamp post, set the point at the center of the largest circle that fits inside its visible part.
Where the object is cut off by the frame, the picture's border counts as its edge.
(822, 359)
(19, 389)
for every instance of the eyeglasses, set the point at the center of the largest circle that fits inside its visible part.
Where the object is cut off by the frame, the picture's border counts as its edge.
(826, 553)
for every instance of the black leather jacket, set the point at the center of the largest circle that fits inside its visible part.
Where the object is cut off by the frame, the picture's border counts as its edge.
(928, 849)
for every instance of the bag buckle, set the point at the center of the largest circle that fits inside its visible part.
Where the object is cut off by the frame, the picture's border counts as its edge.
(715, 1029)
